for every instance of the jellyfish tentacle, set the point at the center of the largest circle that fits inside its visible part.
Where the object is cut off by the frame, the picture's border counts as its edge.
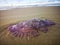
(34, 33)
(19, 35)
(15, 34)
(22, 35)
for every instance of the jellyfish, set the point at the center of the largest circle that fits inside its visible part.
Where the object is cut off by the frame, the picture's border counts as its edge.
(30, 28)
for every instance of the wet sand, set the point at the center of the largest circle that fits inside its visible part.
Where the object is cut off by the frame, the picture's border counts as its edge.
(52, 37)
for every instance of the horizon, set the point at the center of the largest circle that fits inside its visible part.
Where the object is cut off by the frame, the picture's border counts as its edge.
(9, 4)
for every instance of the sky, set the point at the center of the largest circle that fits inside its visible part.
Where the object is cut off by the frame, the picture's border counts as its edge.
(26, 3)
(4, 2)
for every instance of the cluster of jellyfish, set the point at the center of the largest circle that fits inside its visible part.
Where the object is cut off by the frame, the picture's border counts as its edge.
(30, 28)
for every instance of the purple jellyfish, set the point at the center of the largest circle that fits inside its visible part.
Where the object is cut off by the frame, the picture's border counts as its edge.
(30, 28)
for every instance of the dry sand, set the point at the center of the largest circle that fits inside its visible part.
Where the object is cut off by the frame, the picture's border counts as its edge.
(52, 37)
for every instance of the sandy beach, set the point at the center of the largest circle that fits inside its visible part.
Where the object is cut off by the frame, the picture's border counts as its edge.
(7, 17)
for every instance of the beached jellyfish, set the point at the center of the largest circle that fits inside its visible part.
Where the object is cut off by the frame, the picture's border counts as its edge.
(30, 28)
